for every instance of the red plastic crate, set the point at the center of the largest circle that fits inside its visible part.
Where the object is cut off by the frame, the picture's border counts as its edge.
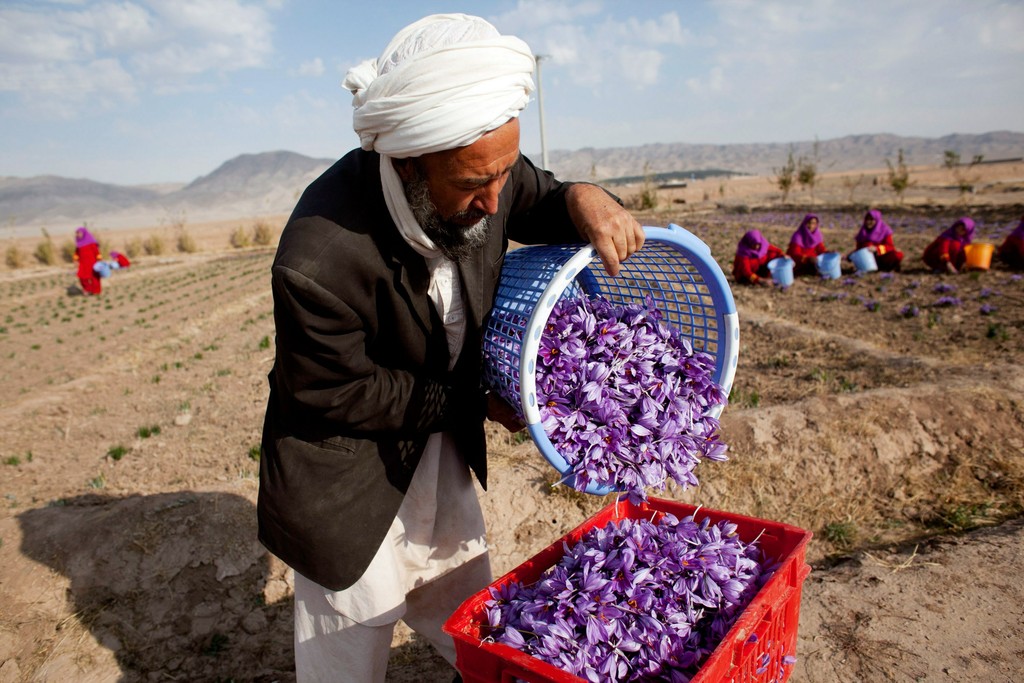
(768, 625)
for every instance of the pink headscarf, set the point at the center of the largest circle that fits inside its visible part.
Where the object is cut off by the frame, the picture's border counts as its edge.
(803, 237)
(1018, 232)
(876, 234)
(950, 232)
(83, 237)
(752, 245)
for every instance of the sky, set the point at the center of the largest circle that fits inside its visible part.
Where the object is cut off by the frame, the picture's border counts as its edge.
(147, 91)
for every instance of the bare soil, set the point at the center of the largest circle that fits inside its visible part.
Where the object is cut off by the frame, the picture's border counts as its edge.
(128, 463)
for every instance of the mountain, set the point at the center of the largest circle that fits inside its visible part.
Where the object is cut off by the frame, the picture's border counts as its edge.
(270, 183)
(245, 186)
(273, 176)
(52, 199)
(852, 152)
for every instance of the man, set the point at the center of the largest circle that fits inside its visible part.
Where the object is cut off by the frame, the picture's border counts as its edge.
(382, 280)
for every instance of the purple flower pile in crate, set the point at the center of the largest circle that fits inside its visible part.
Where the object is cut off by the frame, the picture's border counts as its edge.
(624, 398)
(635, 600)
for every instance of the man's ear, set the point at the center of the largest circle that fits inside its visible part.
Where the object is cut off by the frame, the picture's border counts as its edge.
(405, 168)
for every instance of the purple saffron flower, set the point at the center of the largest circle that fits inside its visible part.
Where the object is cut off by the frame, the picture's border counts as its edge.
(635, 600)
(943, 288)
(987, 309)
(623, 397)
(909, 311)
(947, 302)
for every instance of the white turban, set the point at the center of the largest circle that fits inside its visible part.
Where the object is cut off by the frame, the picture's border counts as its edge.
(441, 83)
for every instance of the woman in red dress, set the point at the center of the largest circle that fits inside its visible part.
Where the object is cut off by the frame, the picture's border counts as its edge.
(750, 266)
(946, 253)
(1011, 251)
(87, 253)
(120, 259)
(805, 246)
(876, 235)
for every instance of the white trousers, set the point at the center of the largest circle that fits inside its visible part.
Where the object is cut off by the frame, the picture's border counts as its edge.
(332, 647)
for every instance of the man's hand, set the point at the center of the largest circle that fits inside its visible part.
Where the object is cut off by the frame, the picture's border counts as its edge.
(615, 234)
(501, 412)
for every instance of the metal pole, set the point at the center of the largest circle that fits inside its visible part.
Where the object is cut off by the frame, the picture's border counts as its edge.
(540, 108)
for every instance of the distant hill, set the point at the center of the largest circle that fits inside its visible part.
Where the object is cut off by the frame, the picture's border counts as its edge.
(270, 183)
(848, 153)
(54, 199)
(248, 185)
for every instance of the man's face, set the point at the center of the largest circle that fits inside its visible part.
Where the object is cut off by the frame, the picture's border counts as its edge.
(452, 193)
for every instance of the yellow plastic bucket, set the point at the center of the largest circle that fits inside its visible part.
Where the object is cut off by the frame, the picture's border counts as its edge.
(979, 256)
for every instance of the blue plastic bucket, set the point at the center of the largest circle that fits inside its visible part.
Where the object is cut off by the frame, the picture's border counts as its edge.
(782, 271)
(864, 260)
(101, 269)
(674, 268)
(829, 265)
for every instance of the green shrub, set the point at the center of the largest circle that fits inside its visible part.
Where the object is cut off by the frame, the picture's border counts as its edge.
(187, 243)
(262, 233)
(14, 257)
(46, 253)
(154, 245)
(240, 238)
(146, 432)
(133, 248)
(840, 534)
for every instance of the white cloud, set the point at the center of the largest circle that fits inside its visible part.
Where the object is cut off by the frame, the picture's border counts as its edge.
(109, 51)
(314, 67)
(714, 82)
(612, 53)
(530, 15)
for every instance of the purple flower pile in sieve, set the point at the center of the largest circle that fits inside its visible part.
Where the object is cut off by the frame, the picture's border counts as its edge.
(623, 397)
(635, 600)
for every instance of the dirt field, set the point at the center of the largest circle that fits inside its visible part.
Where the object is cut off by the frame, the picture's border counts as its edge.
(131, 422)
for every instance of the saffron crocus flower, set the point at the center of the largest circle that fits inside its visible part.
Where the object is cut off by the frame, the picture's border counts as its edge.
(947, 302)
(987, 309)
(624, 398)
(635, 600)
(910, 311)
(944, 287)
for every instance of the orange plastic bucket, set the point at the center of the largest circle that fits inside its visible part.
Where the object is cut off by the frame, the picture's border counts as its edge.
(979, 256)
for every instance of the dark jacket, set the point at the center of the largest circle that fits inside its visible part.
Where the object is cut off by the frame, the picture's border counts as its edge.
(360, 378)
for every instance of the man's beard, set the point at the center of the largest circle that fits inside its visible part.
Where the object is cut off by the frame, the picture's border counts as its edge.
(456, 241)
